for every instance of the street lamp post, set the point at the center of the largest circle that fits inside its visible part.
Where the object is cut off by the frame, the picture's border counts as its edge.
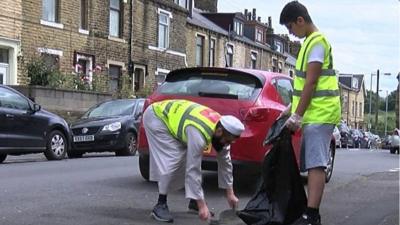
(370, 103)
(377, 99)
(377, 102)
(386, 111)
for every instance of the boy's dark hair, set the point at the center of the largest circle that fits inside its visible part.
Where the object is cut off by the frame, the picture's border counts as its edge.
(292, 11)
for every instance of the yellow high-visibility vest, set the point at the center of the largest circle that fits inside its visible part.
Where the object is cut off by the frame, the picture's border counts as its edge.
(178, 114)
(324, 106)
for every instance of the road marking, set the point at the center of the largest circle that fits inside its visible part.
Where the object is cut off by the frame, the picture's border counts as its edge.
(394, 170)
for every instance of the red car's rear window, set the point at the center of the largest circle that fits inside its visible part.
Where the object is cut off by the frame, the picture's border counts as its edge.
(212, 84)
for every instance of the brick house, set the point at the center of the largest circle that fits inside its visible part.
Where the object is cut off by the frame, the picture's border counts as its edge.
(10, 40)
(158, 43)
(352, 92)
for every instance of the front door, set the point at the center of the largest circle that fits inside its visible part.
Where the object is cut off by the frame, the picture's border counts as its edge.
(3, 73)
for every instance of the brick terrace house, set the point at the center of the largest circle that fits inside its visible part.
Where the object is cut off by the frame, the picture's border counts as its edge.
(352, 92)
(129, 43)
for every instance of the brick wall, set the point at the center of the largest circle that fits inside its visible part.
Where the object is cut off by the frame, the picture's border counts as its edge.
(10, 19)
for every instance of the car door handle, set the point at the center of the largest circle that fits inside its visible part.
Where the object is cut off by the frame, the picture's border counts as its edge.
(10, 116)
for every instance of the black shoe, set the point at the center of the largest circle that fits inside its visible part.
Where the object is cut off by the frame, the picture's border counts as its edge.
(161, 213)
(193, 208)
(305, 220)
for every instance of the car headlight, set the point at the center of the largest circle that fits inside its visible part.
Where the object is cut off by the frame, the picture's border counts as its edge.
(112, 127)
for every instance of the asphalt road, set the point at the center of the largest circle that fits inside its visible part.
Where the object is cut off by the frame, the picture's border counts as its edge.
(101, 189)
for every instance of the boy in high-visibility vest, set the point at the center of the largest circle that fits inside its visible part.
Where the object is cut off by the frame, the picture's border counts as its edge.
(315, 104)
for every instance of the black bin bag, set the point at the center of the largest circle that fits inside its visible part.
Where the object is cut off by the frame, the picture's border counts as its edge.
(280, 199)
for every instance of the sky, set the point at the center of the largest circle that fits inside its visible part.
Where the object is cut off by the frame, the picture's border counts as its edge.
(364, 34)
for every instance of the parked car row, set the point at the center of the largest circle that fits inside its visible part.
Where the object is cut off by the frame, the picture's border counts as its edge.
(355, 138)
(27, 128)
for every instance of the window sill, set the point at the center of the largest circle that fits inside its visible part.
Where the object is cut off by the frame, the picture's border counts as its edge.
(116, 39)
(52, 24)
(82, 31)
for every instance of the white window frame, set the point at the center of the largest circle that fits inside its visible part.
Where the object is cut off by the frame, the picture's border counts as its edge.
(199, 35)
(168, 24)
(214, 50)
(259, 31)
(120, 19)
(89, 65)
(14, 51)
(229, 53)
(253, 59)
(142, 67)
(56, 13)
(51, 51)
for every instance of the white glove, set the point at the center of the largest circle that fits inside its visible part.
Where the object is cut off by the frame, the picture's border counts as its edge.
(294, 122)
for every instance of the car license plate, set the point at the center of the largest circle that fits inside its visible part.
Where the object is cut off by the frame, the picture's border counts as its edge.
(84, 138)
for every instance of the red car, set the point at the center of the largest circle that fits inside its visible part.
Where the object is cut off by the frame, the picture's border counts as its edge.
(255, 97)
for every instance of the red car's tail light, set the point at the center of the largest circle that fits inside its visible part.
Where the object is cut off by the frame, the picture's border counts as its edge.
(257, 114)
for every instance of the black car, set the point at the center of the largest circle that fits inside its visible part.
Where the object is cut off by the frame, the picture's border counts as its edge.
(108, 126)
(26, 128)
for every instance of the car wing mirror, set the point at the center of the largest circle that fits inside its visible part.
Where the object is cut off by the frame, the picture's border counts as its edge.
(36, 107)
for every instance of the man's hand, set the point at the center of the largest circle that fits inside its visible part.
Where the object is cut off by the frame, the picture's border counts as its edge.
(294, 122)
(204, 213)
(233, 201)
(285, 112)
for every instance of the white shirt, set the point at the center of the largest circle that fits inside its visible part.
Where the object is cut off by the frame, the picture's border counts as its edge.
(317, 54)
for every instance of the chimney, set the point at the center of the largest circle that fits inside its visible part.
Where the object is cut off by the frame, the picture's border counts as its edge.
(254, 14)
(269, 22)
(249, 16)
(245, 13)
(259, 19)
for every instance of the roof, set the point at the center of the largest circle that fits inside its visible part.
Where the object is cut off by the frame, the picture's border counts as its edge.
(352, 81)
(199, 20)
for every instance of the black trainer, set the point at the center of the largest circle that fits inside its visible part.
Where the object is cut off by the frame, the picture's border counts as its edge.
(305, 220)
(161, 213)
(193, 208)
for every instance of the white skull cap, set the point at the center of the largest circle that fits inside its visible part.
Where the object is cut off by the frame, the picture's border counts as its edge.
(232, 124)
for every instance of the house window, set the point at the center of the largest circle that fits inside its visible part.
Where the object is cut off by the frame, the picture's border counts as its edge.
(274, 65)
(355, 107)
(115, 18)
(182, 3)
(279, 67)
(114, 73)
(139, 78)
(84, 15)
(278, 46)
(84, 67)
(360, 110)
(259, 35)
(163, 30)
(212, 52)
(199, 50)
(253, 60)
(3, 55)
(229, 56)
(238, 27)
(50, 10)
(352, 108)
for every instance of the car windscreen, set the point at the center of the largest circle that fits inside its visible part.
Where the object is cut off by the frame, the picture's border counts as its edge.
(111, 108)
(209, 84)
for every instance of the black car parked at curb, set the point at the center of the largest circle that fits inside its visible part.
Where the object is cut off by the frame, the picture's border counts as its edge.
(110, 126)
(26, 128)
